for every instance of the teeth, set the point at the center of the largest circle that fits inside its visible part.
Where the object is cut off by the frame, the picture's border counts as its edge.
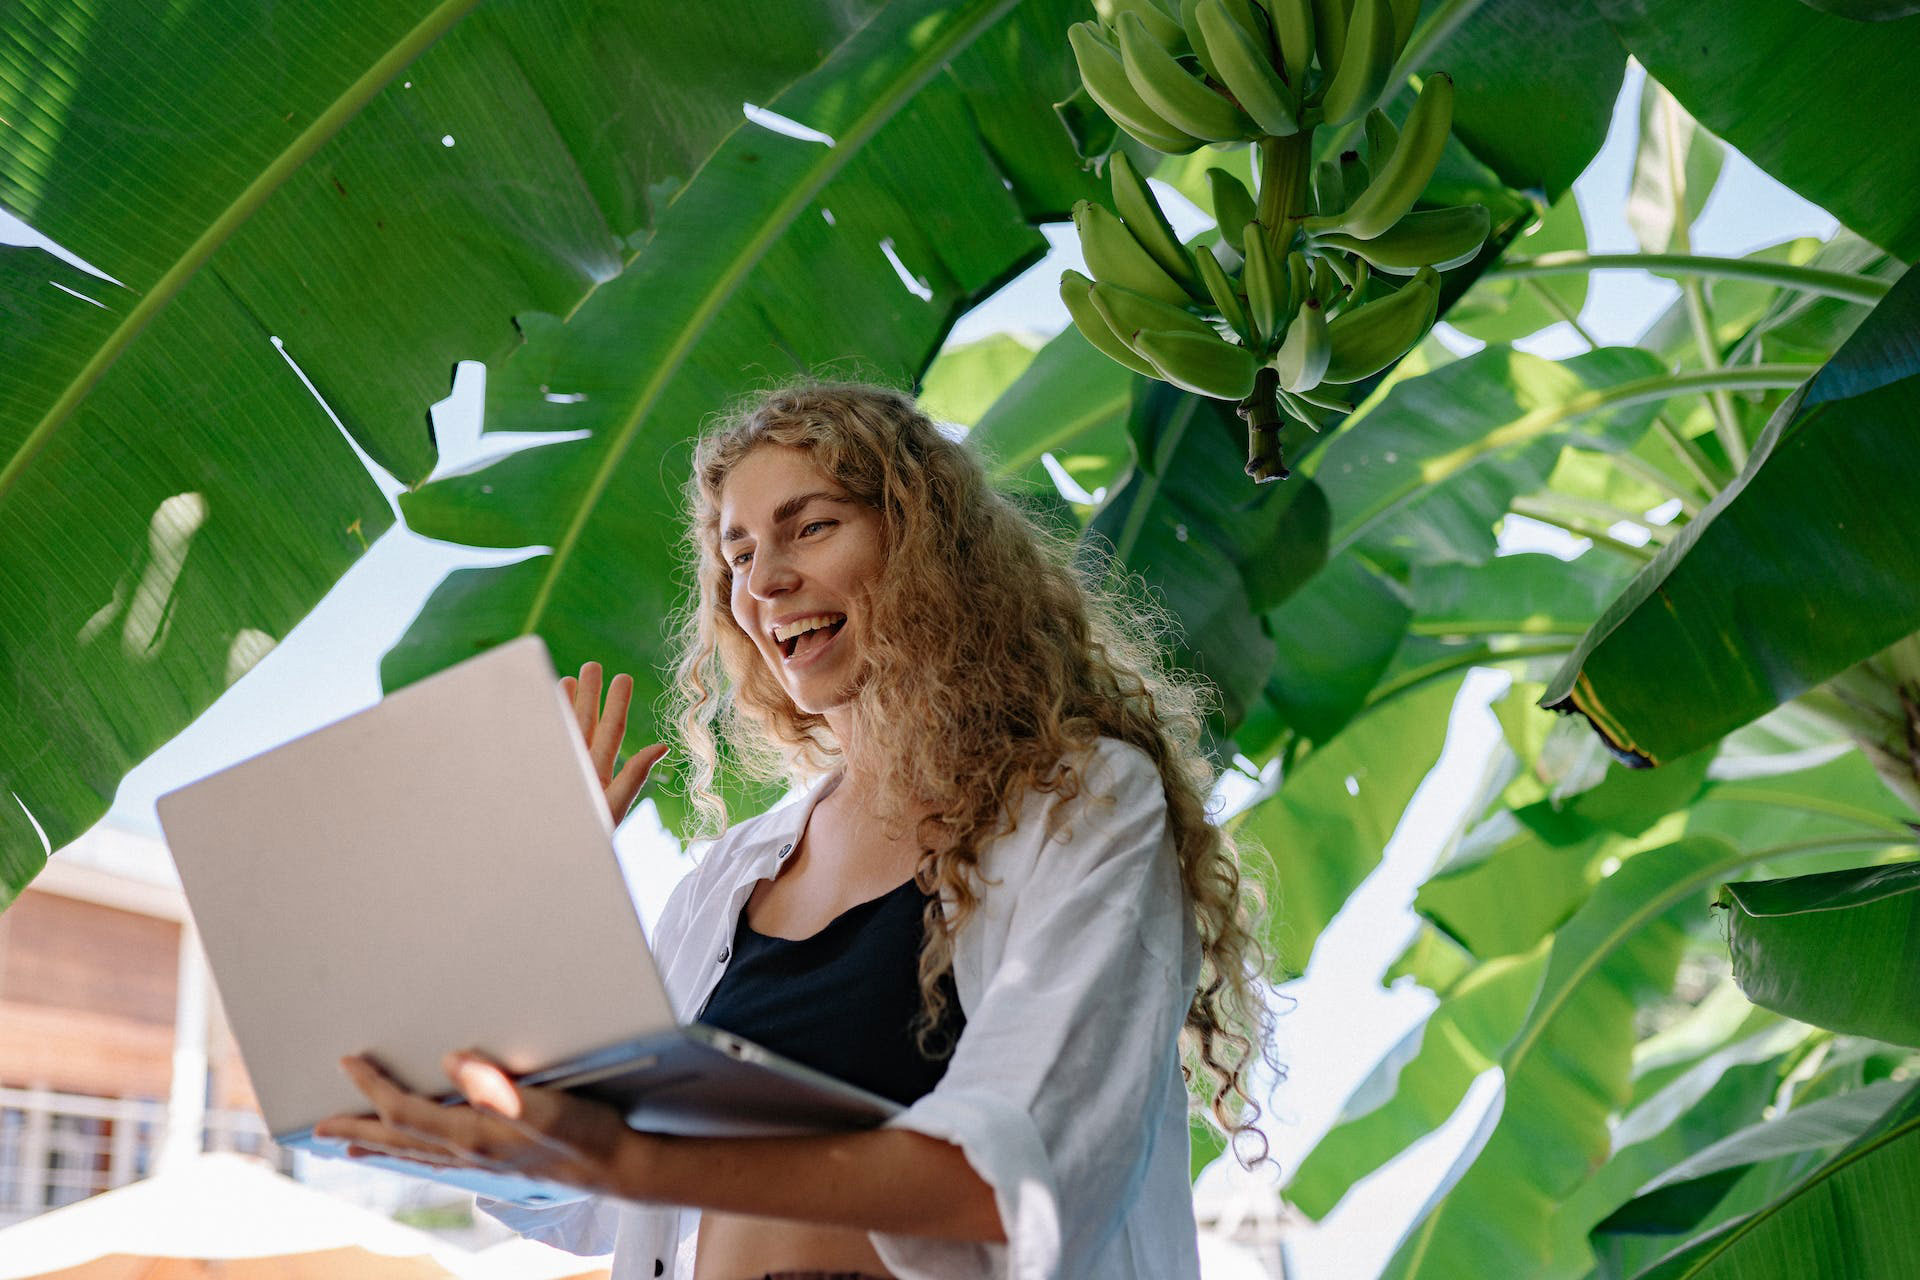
(800, 626)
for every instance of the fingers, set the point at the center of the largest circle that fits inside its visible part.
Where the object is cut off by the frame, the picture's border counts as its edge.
(586, 700)
(417, 1127)
(604, 747)
(622, 791)
(565, 1127)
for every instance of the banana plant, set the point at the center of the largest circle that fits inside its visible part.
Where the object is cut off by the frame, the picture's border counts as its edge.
(1324, 279)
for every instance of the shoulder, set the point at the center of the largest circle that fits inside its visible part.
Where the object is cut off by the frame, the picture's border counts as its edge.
(1110, 802)
(1112, 777)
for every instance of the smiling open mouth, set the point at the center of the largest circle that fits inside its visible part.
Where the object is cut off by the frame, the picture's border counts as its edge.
(809, 641)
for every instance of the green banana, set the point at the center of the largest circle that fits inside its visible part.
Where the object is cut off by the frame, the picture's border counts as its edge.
(1381, 136)
(1293, 32)
(1302, 359)
(1406, 13)
(1353, 177)
(1233, 205)
(1366, 63)
(1348, 276)
(1437, 238)
(1225, 300)
(1162, 26)
(1173, 92)
(1370, 337)
(1209, 366)
(1114, 256)
(1141, 212)
(1399, 182)
(1320, 398)
(1324, 283)
(1075, 291)
(1130, 313)
(1299, 280)
(1330, 36)
(1105, 77)
(1266, 288)
(1329, 193)
(1246, 70)
(1300, 408)
(1197, 40)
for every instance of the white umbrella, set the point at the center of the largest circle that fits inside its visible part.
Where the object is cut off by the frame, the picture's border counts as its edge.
(524, 1259)
(216, 1206)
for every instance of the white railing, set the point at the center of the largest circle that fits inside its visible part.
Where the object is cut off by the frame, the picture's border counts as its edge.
(58, 1148)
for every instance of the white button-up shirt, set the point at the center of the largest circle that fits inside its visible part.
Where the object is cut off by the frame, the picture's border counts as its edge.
(1064, 1090)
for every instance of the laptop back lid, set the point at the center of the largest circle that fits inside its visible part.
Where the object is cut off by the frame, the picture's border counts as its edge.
(432, 873)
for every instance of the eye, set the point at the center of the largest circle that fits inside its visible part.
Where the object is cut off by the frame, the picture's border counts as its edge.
(814, 524)
(742, 556)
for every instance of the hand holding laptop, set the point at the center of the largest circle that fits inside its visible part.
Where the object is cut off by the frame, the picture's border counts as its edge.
(502, 1127)
(603, 734)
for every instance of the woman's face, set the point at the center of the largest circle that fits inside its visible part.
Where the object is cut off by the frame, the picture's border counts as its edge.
(803, 552)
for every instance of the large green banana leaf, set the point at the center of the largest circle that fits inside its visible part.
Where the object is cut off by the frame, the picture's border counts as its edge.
(1417, 479)
(1566, 1069)
(1725, 1090)
(1324, 831)
(1681, 1196)
(1738, 78)
(1534, 84)
(1839, 949)
(1070, 401)
(244, 178)
(1800, 568)
(1849, 1219)
(768, 263)
(172, 498)
(1463, 1037)
(1215, 548)
(1675, 167)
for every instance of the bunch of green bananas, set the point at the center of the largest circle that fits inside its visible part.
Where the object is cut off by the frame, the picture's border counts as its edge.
(1293, 301)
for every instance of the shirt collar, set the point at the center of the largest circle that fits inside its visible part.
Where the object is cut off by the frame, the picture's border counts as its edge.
(777, 836)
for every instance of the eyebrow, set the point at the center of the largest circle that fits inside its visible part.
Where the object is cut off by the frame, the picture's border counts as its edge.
(783, 513)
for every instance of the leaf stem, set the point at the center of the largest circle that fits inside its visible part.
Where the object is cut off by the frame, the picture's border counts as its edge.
(1545, 513)
(1689, 457)
(1845, 285)
(1538, 422)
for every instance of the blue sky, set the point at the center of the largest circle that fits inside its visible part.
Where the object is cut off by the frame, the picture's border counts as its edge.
(1343, 1020)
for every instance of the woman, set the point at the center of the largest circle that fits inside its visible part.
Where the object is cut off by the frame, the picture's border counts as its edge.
(1004, 842)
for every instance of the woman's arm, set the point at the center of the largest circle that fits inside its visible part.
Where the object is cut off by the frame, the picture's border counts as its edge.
(878, 1180)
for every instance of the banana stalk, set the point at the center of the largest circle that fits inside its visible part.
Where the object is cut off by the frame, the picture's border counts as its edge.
(1262, 412)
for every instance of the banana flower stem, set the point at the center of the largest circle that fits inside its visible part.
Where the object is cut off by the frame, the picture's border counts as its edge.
(1262, 412)
(1284, 167)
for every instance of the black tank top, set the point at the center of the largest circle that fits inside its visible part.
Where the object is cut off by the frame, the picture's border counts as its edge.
(841, 1001)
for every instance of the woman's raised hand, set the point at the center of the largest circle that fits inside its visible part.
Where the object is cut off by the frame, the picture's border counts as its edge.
(602, 734)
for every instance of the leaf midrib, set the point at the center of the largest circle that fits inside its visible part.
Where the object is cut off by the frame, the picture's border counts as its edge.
(847, 143)
(229, 221)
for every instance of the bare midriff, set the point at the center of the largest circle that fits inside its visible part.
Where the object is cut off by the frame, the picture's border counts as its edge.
(733, 1247)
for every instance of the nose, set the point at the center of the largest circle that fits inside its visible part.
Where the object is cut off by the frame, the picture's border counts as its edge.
(770, 574)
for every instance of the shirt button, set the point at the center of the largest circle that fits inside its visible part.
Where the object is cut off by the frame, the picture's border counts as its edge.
(785, 849)
(725, 953)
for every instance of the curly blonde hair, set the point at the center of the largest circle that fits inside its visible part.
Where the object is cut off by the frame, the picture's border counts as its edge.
(991, 656)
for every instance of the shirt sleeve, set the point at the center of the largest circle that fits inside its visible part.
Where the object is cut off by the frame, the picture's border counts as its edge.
(590, 1225)
(1060, 1077)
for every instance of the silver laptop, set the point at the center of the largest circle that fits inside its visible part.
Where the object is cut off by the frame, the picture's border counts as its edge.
(437, 872)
